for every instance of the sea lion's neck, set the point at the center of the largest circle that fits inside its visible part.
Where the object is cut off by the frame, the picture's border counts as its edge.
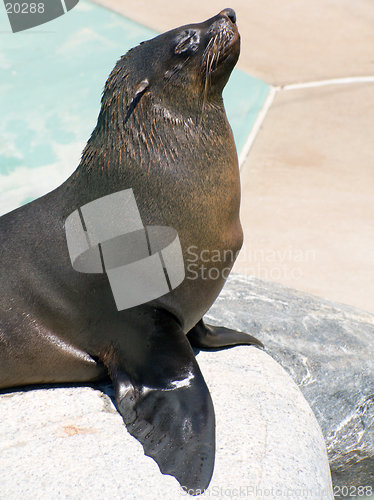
(155, 142)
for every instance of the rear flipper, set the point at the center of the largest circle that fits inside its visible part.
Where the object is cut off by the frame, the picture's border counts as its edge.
(166, 405)
(205, 336)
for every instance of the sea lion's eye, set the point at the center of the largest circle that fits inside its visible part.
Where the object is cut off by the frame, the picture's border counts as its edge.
(188, 40)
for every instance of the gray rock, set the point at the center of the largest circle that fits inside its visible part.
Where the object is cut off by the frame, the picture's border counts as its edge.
(327, 348)
(70, 443)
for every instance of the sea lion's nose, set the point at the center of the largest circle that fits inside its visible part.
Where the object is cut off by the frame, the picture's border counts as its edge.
(230, 13)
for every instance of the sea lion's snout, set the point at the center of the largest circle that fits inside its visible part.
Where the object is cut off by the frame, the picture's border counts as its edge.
(224, 25)
(230, 13)
(222, 48)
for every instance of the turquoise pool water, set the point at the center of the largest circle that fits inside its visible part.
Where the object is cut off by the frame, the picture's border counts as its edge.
(51, 79)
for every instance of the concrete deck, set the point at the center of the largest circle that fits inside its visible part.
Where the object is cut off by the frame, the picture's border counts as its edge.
(71, 443)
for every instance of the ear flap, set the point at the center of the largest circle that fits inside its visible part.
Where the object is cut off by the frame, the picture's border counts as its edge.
(139, 92)
(140, 89)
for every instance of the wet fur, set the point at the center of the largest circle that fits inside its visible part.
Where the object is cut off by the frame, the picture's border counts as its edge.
(176, 150)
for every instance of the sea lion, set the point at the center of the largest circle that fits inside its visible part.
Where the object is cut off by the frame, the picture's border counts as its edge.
(162, 156)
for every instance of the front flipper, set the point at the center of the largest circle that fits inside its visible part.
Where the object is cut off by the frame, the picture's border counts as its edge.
(166, 405)
(205, 336)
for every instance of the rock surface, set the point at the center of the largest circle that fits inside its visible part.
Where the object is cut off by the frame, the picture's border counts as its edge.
(70, 443)
(328, 349)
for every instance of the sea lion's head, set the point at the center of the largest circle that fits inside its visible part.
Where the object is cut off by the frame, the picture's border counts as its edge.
(183, 68)
(162, 99)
